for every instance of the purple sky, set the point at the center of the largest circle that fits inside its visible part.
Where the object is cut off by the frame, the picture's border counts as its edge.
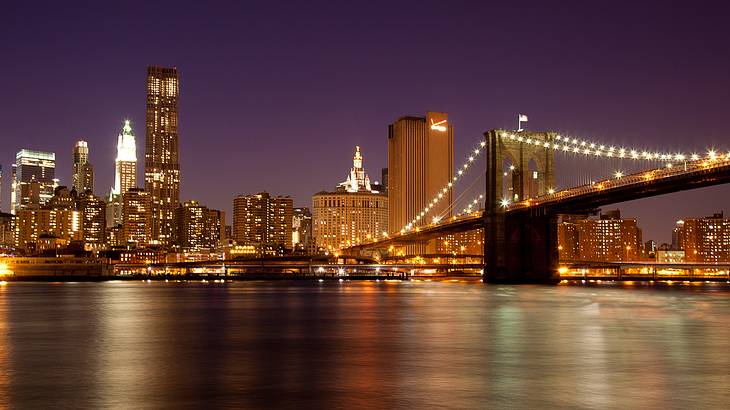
(275, 96)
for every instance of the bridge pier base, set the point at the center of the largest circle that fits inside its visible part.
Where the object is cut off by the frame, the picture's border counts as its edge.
(521, 248)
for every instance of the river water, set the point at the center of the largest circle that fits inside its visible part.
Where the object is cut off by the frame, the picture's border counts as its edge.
(362, 345)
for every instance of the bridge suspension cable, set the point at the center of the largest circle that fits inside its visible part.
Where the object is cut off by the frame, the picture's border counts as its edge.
(458, 174)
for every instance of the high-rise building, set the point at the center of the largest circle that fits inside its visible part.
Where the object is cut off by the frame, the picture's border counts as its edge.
(83, 172)
(607, 239)
(198, 227)
(125, 174)
(137, 215)
(352, 213)
(33, 179)
(420, 165)
(262, 220)
(162, 167)
(705, 240)
(93, 223)
(302, 238)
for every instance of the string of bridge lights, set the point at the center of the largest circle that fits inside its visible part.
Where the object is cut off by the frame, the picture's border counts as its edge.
(473, 154)
(560, 144)
(580, 146)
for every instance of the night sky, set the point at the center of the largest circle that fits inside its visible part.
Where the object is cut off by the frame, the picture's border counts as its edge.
(275, 96)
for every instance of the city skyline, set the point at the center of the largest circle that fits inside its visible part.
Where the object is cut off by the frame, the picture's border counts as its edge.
(597, 95)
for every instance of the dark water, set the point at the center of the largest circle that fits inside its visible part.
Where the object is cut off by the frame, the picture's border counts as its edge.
(362, 345)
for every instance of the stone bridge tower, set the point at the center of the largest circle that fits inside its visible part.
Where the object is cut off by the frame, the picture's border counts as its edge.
(518, 248)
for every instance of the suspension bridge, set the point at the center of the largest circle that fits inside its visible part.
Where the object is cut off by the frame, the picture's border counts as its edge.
(522, 205)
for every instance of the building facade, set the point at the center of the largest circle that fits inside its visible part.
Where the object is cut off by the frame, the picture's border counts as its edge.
(302, 237)
(262, 220)
(162, 167)
(137, 216)
(705, 240)
(353, 213)
(420, 166)
(83, 171)
(198, 228)
(93, 223)
(609, 238)
(34, 175)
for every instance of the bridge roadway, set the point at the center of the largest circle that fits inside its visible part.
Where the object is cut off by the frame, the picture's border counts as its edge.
(685, 176)
(283, 269)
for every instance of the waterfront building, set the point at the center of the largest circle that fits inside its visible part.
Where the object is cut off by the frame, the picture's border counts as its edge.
(83, 171)
(137, 215)
(93, 224)
(353, 213)
(198, 227)
(162, 167)
(33, 179)
(262, 220)
(420, 166)
(705, 240)
(609, 238)
(302, 237)
(33, 224)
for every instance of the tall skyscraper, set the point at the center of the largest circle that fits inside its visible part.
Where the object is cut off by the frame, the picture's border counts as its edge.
(83, 172)
(161, 162)
(420, 165)
(125, 174)
(261, 220)
(353, 213)
(33, 179)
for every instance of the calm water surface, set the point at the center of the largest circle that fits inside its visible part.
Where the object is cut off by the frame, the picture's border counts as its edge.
(362, 345)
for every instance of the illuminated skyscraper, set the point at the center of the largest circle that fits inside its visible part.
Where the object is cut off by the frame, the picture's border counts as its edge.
(125, 175)
(420, 165)
(162, 168)
(83, 172)
(33, 179)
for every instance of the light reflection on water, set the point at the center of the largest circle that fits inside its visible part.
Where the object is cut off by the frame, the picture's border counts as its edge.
(362, 344)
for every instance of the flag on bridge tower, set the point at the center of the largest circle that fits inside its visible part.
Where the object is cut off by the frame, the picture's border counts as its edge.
(520, 119)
